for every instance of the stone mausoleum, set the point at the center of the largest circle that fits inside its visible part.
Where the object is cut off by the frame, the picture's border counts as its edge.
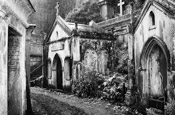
(74, 48)
(150, 41)
(154, 35)
(148, 32)
(14, 33)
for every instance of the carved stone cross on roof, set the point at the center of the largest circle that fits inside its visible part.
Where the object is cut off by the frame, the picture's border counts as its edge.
(121, 7)
(57, 7)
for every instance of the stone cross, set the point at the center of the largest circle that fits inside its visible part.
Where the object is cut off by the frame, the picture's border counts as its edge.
(121, 7)
(57, 7)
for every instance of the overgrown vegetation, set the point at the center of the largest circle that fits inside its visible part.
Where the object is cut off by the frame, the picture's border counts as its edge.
(111, 87)
(121, 51)
(88, 85)
(85, 13)
(93, 84)
(115, 88)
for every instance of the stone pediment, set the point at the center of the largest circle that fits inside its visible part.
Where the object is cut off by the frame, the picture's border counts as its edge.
(62, 23)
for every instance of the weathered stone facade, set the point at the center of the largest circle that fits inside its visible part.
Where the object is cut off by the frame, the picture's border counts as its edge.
(154, 52)
(73, 49)
(150, 44)
(13, 83)
(149, 36)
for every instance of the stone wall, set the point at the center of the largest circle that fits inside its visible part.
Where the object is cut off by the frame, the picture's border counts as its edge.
(3, 67)
(14, 86)
(94, 56)
(161, 33)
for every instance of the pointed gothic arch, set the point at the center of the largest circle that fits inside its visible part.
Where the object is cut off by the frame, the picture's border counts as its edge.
(152, 19)
(150, 44)
(154, 65)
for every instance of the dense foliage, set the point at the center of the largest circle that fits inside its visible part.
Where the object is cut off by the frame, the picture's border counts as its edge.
(120, 58)
(88, 85)
(114, 88)
(85, 13)
(93, 84)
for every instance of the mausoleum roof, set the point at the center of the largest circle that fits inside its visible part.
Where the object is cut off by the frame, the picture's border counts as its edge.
(82, 30)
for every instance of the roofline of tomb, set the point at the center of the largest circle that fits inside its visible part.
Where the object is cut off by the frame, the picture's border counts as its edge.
(61, 22)
(65, 25)
(146, 7)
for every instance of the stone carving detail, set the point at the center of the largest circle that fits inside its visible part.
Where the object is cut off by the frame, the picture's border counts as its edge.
(102, 61)
(90, 60)
(94, 61)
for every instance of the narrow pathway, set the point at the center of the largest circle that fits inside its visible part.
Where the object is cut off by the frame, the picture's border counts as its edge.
(47, 102)
(44, 105)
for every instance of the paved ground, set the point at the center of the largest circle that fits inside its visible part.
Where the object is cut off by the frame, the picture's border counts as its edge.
(47, 102)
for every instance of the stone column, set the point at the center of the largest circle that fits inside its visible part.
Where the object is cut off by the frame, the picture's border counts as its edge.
(44, 62)
(27, 64)
(131, 73)
(3, 65)
(131, 96)
(107, 10)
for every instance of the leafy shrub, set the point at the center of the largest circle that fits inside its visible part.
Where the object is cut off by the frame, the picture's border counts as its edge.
(92, 84)
(122, 59)
(88, 85)
(115, 88)
(170, 108)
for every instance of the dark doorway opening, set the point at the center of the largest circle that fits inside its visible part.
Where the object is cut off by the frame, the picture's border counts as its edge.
(58, 71)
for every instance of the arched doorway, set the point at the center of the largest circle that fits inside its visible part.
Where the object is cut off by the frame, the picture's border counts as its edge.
(57, 72)
(154, 65)
(157, 72)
